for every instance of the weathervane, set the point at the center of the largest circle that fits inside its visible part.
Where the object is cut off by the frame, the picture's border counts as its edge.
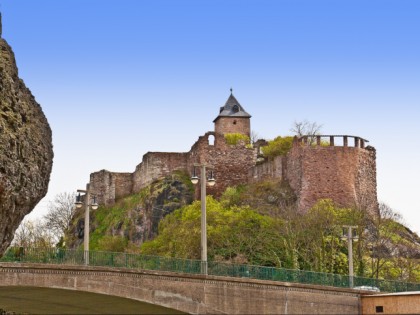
(231, 90)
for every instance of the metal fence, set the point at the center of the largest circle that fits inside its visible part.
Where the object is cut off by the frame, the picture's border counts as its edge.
(137, 261)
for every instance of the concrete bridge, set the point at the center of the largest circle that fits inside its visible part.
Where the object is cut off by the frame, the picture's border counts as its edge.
(196, 294)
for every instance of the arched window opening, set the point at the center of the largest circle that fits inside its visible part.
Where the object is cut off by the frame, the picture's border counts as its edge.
(211, 140)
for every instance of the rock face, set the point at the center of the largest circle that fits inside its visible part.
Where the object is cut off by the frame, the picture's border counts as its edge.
(26, 148)
(135, 218)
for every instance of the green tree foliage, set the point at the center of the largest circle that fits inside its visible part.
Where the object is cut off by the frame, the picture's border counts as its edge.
(236, 234)
(286, 238)
(113, 243)
(319, 238)
(269, 197)
(255, 224)
(278, 146)
(237, 138)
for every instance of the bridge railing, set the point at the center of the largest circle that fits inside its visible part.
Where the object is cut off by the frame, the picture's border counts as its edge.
(158, 263)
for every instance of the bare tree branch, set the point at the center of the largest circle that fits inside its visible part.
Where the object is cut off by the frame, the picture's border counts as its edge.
(60, 213)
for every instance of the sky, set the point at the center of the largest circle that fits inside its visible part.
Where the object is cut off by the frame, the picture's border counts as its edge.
(119, 78)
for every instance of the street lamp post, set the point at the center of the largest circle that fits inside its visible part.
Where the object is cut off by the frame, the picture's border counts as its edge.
(350, 236)
(210, 181)
(94, 206)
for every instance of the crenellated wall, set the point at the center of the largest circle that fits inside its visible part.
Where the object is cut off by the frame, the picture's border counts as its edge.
(345, 174)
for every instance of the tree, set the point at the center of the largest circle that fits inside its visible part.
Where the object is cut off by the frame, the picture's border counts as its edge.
(254, 136)
(306, 128)
(385, 238)
(236, 234)
(33, 234)
(60, 213)
(278, 146)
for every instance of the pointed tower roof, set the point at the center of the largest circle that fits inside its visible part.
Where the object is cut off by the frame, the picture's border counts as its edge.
(232, 108)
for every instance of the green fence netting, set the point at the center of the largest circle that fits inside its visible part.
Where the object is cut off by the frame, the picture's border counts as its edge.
(145, 262)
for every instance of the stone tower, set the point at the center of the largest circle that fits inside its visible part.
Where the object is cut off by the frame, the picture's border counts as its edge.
(232, 118)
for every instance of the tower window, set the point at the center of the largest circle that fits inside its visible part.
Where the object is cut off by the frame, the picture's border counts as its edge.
(234, 122)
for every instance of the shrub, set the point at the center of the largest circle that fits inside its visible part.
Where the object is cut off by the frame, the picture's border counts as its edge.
(236, 138)
(278, 146)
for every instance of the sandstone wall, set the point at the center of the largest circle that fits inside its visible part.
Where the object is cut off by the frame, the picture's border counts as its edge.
(156, 165)
(347, 175)
(269, 169)
(232, 163)
(366, 184)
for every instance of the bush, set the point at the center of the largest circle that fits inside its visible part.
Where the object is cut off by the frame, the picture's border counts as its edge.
(278, 146)
(236, 138)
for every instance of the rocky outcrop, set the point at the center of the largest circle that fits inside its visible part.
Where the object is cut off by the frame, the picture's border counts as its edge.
(26, 148)
(134, 219)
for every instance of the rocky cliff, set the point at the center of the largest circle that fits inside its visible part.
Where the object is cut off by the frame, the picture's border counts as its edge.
(134, 219)
(26, 148)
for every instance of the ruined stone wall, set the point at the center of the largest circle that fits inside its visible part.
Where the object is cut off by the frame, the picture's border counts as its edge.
(109, 186)
(232, 163)
(269, 169)
(347, 175)
(366, 184)
(233, 125)
(156, 165)
(123, 183)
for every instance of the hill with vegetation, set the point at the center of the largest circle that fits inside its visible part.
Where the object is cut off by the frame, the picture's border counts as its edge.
(253, 224)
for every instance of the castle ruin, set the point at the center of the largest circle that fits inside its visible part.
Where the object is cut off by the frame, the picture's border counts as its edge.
(341, 168)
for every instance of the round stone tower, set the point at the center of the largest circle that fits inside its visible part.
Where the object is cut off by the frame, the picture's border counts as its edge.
(232, 118)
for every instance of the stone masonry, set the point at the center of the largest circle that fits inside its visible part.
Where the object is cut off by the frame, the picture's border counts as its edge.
(314, 169)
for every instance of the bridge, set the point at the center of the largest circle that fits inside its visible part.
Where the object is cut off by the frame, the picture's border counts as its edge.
(177, 284)
(196, 294)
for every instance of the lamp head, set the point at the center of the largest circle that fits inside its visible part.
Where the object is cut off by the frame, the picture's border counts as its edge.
(194, 180)
(78, 202)
(211, 181)
(94, 204)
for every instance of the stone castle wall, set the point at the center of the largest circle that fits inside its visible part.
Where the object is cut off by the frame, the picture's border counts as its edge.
(156, 165)
(269, 169)
(109, 186)
(231, 164)
(345, 174)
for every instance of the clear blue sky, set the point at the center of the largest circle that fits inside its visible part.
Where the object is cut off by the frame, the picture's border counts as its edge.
(119, 78)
